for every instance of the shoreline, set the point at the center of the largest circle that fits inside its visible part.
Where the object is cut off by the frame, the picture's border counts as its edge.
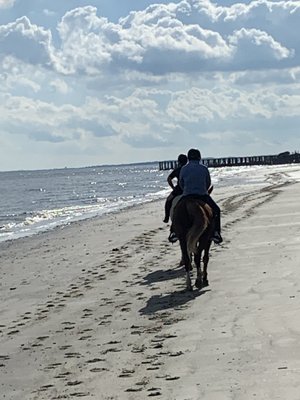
(96, 309)
(79, 221)
(49, 219)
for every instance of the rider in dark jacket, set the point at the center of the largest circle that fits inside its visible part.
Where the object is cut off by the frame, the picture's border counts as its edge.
(176, 189)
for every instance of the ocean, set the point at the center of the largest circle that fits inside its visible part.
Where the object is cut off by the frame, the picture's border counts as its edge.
(36, 201)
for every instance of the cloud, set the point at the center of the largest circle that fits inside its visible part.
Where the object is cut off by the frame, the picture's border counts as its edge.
(26, 42)
(60, 86)
(255, 49)
(153, 83)
(6, 3)
(16, 75)
(49, 13)
(153, 117)
(268, 77)
(163, 39)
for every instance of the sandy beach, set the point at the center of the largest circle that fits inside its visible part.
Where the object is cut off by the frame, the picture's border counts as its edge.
(97, 309)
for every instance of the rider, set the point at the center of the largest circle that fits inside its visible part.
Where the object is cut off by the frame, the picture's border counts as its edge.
(176, 189)
(195, 180)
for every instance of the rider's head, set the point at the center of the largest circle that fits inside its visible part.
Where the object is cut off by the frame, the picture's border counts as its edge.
(194, 154)
(182, 159)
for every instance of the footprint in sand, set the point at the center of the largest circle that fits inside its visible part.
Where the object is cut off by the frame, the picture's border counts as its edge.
(68, 328)
(62, 375)
(98, 369)
(72, 355)
(101, 277)
(65, 347)
(44, 388)
(42, 338)
(73, 383)
(52, 366)
(113, 342)
(154, 392)
(95, 360)
(79, 394)
(172, 378)
(102, 323)
(85, 337)
(111, 350)
(139, 389)
(152, 368)
(13, 332)
(126, 373)
(3, 358)
(138, 349)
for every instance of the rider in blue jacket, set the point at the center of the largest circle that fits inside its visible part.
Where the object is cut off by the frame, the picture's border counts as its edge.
(195, 181)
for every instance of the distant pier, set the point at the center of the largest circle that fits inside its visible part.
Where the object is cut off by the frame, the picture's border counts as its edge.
(282, 158)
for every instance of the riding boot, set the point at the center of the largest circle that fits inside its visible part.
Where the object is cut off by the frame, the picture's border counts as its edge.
(217, 238)
(217, 219)
(168, 206)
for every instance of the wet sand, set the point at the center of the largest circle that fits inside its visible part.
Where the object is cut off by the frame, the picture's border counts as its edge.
(98, 310)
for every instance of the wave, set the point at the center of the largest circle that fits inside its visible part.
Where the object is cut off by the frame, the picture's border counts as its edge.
(35, 222)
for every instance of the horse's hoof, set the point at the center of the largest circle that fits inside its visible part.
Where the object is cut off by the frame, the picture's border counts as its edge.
(205, 282)
(198, 284)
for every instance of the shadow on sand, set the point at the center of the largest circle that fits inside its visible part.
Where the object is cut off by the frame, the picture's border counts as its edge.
(170, 301)
(163, 275)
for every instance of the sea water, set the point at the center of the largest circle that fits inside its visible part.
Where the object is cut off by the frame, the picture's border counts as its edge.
(36, 201)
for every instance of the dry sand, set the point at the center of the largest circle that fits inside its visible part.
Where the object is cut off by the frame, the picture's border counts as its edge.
(98, 310)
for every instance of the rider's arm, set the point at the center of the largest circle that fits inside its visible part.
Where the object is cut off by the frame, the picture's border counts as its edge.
(174, 175)
(170, 181)
(181, 179)
(208, 181)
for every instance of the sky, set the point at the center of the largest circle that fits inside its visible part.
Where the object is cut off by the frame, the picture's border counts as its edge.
(122, 81)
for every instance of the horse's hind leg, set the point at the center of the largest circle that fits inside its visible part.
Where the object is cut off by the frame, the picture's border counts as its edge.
(205, 265)
(189, 286)
(186, 261)
(197, 258)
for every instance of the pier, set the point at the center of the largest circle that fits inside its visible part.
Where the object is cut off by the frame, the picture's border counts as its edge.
(282, 158)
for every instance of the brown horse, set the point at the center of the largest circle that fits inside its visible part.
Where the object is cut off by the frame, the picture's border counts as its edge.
(193, 224)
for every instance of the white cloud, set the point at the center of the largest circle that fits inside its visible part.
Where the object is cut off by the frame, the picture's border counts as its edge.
(157, 80)
(18, 76)
(49, 13)
(162, 39)
(26, 42)
(60, 86)
(7, 3)
(43, 121)
(255, 48)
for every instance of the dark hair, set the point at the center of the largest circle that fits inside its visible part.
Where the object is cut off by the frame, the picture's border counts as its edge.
(194, 154)
(182, 159)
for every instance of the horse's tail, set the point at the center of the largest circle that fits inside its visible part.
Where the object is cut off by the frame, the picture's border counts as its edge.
(200, 214)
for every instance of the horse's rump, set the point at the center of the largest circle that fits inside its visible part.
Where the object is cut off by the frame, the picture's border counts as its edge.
(192, 218)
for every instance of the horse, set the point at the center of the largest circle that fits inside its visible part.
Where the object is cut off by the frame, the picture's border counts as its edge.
(193, 224)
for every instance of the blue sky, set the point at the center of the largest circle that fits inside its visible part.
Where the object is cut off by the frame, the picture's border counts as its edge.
(101, 82)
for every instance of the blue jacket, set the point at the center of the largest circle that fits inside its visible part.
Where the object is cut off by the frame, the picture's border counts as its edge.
(194, 178)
